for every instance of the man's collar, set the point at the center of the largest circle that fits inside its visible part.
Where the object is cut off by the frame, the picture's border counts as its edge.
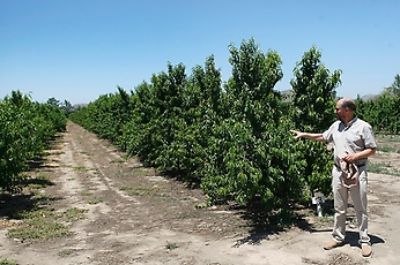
(350, 122)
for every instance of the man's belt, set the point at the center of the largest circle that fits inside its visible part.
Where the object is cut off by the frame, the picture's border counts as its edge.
(360, 165)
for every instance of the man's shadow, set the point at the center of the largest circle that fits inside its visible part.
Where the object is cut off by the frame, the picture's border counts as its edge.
(353, 237)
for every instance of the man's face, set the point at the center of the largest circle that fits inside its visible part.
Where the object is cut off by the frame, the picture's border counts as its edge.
(340, 111)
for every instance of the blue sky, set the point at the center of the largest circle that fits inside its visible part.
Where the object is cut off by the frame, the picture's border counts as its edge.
(77, 50)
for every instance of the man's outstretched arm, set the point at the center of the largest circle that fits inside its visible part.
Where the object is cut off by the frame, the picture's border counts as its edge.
(312, 136)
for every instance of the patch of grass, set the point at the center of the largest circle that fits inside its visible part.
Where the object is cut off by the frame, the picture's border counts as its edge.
(144, 191)
(66, 252)
(171, 246)
(41, 180)
(142, 171)
(86, 193)
(380, 168)
(125, 188)
(95, 200)
(41, 198)
(80, 169)
(39, 224)
(73, 214)
(43, 176)
(42, 224)
(389, 138)
(383, 168)
(388, 148)
(8, 262)
(326, 219)
(132, 192)
(35, 186)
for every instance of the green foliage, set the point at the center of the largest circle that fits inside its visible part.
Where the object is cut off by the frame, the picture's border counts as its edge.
(25, 129)
(136, 134)
(106, 116)
(313, 102)
(262, 171)
(173, 119)
(252, 159)
(233, 139)
(314, 93)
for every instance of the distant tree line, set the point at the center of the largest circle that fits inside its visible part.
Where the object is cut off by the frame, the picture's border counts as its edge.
(383, 111)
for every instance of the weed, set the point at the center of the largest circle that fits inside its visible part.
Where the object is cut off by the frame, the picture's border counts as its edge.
(95, 200)
(66, 252)
(8, 262)
(124, 188)
(171, 246)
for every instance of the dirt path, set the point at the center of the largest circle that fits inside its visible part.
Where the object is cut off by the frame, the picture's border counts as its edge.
(135, 216)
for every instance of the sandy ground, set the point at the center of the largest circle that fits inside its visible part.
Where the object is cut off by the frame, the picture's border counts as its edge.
(143, 218)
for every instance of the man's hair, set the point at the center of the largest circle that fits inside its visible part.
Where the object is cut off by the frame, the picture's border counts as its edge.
(348, 104)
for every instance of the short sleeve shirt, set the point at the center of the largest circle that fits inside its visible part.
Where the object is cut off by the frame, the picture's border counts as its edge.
(355, 137)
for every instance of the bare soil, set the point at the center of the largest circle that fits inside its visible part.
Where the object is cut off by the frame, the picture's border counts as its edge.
(136, 216)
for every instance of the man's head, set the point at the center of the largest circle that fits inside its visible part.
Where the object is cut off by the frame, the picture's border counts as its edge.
(345, 109)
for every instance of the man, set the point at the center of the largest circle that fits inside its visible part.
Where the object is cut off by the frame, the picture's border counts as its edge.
(353, 143)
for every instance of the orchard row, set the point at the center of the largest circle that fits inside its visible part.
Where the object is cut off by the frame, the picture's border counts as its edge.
(26, 127)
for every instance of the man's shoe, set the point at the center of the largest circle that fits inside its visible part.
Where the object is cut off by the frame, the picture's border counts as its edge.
(333, 244)
(366, 250)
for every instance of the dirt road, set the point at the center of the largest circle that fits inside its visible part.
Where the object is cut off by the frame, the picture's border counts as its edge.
(135, 216)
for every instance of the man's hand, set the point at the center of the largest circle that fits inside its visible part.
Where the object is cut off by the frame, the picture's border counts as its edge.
(350, 158)
(298, 134)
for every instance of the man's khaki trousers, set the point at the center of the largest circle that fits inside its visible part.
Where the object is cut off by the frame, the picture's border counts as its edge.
(359, 197)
